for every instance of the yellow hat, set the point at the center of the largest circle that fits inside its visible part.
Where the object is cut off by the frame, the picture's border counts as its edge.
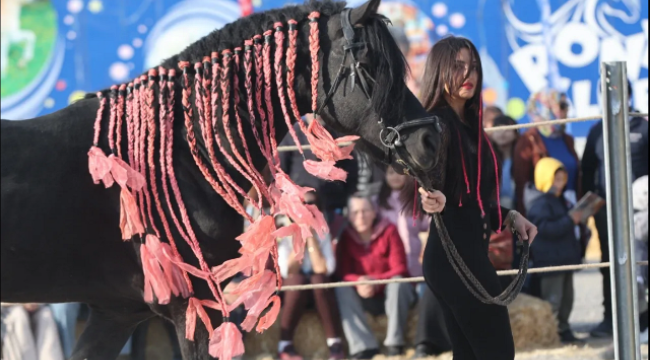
(545, 173)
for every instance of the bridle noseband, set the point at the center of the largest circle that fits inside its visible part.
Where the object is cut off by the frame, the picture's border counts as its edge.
(391, 137)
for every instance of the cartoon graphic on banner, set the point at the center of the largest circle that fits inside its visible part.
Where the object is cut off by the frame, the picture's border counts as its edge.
(30, 54)
(55, 52)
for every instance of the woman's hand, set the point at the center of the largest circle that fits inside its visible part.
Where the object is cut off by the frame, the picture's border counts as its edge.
(524, 228)
(433, 202)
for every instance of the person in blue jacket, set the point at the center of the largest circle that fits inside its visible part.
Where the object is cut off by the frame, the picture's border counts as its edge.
(558, 239)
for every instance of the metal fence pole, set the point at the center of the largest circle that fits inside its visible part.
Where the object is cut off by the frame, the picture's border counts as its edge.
(616, 135)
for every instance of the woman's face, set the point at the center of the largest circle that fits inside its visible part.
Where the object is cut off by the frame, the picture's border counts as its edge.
(467, 71)
(361, 214)
(503, 138)
(394, 179)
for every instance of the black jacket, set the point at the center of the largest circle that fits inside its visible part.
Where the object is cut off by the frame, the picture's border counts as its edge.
(556, 244)
(593, 160)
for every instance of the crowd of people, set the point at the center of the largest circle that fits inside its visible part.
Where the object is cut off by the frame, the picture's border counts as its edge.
(371, 238)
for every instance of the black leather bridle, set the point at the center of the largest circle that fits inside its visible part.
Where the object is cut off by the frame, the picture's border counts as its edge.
(391, 137)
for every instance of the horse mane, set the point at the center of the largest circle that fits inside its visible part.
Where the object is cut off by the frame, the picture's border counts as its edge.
(261, 52)
(235, 33)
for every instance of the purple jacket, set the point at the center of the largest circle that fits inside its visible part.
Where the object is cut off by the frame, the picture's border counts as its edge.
(408, 230)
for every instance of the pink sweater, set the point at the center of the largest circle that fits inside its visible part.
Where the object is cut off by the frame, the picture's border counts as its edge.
(408, 231)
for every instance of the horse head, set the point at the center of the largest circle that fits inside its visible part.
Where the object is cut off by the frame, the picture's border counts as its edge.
(363, 90)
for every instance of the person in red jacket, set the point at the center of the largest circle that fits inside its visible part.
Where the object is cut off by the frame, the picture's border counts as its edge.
(371, 249)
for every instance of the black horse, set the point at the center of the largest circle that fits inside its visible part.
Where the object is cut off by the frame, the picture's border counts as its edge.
(60, 239)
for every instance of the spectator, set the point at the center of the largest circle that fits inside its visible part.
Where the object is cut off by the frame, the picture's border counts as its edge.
(318, 264)
(501, 248)
(504, 145)
(390, 208)
(490, 114)
(640, 202)
(337, 191)
(371, 249)
(31, 333)
(545, 141)
(432, 338)
(593, 169)
(556, 242)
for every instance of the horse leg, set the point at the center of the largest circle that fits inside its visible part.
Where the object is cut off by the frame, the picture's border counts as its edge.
(107, 330)
(197, 349)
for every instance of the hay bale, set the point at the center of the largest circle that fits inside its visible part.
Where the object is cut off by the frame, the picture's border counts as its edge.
(532, 321)
(310, 337)
(533, 324)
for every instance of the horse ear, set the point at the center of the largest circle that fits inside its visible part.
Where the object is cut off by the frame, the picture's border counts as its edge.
(360, 14)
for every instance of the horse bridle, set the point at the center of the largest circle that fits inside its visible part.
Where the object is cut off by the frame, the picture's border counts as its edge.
(391, 137)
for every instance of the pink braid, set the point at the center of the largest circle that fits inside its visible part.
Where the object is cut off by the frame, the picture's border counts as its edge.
(225, 99)
(268, 73)
(130, 138)
(259, 83)
(112, 118)
(148, 123)
(191, 140)
(314, 48)
(164, 114)
(248, 84)
(462, 159)
(291, 73)
(205, 124)
(191, 137)
(249, 166)
(137, 120)
(480, 157)
(98, 118)
(279, 70)
(210, 134)
(120, 118)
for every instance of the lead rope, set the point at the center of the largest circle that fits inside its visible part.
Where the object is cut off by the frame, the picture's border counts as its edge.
(466, 276)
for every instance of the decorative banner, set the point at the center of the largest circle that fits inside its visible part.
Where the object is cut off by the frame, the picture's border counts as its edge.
(54, 51)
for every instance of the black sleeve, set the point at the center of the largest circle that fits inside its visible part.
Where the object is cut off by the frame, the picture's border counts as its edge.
(589, 163)
(494, 217)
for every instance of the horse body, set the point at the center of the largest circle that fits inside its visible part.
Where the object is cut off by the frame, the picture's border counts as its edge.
(60, 235)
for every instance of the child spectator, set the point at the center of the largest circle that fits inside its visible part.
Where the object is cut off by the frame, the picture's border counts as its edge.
(557, 243)
(318, 264)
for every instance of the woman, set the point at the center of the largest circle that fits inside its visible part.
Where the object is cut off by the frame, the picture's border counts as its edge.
(451, 91)
(546, 141)
(501, 251)
(390, 208)
(317, 265)
(370, 248)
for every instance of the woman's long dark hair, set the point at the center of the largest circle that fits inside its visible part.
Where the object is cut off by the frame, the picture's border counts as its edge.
(444, 75)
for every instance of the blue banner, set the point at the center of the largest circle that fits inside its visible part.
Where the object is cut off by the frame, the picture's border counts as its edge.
(55, 51)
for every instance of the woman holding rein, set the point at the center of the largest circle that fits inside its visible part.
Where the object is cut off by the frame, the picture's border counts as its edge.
(451, 90)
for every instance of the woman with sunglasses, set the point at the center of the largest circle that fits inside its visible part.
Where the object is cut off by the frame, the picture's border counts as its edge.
(467, 180)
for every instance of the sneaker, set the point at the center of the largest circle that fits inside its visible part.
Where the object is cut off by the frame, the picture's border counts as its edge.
(365, 354)
(289, 353)
(567, 337)
(423, 351)
(603, 330)
(336, 352)
(392, 351)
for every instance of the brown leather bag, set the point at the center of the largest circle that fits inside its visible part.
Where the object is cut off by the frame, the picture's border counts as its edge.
(500, 250)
